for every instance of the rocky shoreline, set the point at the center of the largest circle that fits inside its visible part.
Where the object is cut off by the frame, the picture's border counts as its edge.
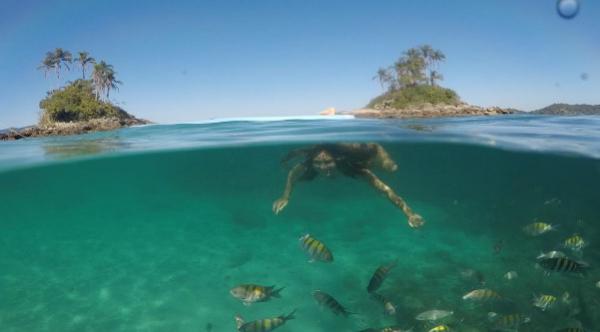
(431, 111)
(71, 128)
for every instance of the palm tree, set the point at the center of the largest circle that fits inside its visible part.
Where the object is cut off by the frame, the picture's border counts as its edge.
(62, 57)
(434, 75)
(104, 79)
(49, 63)
(84, 59)
(385, 77)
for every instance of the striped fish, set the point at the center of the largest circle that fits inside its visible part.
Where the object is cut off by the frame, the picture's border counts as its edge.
(440, 328)
(538, 228)
(544, 302)
(262, 325)
(250, 293)
(575, 242)
(510, 322)
(388, 307)
(482, 295)
(315, 249)
(563, 264)
(386, 329)
(379, 276)
(328, 301)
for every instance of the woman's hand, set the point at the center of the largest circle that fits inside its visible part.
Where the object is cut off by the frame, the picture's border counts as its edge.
(280, 204)
(415, 221)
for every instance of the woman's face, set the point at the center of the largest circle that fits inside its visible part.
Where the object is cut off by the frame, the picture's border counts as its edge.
(324, 163)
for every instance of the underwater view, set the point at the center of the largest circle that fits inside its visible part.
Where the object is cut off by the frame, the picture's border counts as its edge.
(298, 165)
(112, 232)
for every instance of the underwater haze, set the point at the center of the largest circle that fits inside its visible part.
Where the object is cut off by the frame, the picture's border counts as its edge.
(148, 228)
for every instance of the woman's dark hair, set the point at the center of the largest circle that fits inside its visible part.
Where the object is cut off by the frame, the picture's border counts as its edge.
(349, 160)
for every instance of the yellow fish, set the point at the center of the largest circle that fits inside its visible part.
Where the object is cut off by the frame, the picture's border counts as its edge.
(263, 325)
(440, 328)
(482, 295)
(544, 302)
(538, 228)
(250, 293)
(574, 242)
(316, 249)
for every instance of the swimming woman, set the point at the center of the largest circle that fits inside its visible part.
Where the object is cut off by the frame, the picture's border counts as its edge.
(351, 159)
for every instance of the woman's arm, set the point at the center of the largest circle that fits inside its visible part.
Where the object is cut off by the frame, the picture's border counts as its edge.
(292, 177)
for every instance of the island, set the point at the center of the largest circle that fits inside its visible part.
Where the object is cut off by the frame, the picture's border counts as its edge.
(411, 90)
(80, 106)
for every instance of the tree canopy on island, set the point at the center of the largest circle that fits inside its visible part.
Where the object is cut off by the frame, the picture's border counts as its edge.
(412, 79)
(81, 99)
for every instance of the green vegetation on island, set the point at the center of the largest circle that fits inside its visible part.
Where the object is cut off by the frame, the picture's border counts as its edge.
(411, 89)
(81, 105)
(412, 80)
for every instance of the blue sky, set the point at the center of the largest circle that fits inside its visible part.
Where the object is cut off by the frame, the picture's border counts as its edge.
(195, 60)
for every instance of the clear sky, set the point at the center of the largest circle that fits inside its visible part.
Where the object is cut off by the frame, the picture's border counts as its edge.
(195, 60)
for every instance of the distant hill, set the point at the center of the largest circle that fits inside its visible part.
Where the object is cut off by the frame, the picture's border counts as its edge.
(566, 109)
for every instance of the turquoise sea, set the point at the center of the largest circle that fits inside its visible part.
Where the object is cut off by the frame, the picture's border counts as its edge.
(148, 228)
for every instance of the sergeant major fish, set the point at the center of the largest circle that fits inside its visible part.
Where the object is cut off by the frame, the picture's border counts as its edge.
(574, 242)
(386, 329)
(544, 302)
(482, 295)
(440, 328)
(563, 264)
(328, 301)
(379, 276)
(262, 325)
(510, 322)
(315, 249)
(250, 293)
(538, 228)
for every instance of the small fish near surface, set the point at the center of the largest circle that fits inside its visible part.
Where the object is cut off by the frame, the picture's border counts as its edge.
(482, 295)
(551, 254)
(434, 315)
(563, 264)
(388, 307)
(316, 249)
(386, 329)
(440, 328)
(262, 325)
(379, 276)
(250, 293)
(511, 275)
(510, 322)
(544, 302)
(538, 228)
(328, 301)
(574, 242)
(598, 284)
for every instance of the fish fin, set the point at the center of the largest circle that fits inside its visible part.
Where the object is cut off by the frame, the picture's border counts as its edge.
(275, 292)
(492, 316)
(239, 321)
(289, 316)
(247, 303)
(312, 260)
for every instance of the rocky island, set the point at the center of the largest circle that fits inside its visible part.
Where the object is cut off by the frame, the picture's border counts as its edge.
(411, 90)
(80, 106)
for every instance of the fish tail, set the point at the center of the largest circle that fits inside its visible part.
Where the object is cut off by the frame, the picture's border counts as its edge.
(275, 292)
(289, 316)
(554, 227)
